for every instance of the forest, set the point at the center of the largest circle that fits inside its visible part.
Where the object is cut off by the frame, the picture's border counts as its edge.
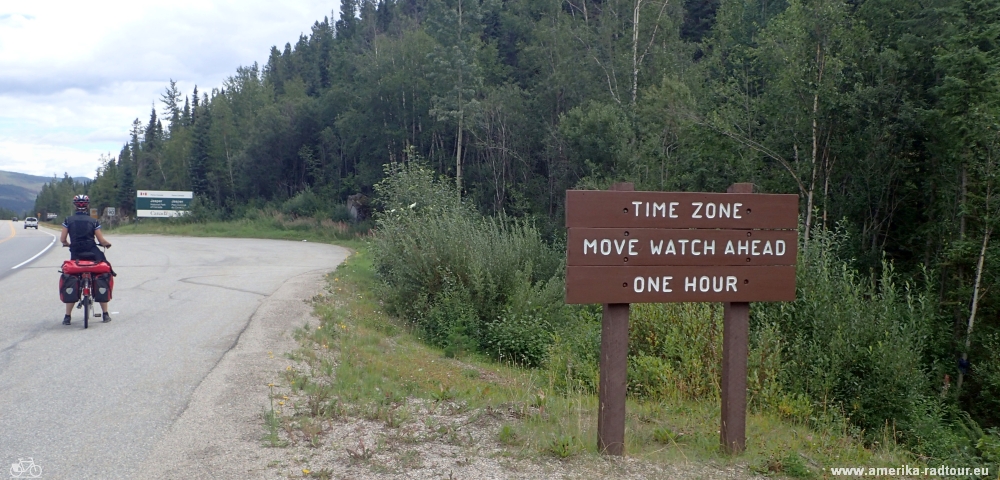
(882, 115)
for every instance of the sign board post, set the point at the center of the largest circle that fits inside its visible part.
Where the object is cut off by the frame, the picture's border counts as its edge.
(735, 348)
(613, 364)
(162, 204)
(628, 247)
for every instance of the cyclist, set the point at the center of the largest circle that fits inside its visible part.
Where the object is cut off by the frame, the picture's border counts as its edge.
(81, 229)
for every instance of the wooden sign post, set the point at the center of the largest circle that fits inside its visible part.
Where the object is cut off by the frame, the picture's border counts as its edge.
(628, 247)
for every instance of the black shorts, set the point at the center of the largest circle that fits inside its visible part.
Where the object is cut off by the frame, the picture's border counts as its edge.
(98, 255)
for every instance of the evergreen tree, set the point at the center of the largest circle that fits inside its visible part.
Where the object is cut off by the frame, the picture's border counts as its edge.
(171, 99)
(126, 182)
(186, 113)
(199, 161)
(347, 24)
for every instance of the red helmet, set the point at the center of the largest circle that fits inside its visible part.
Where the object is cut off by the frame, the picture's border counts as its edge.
(82, 202)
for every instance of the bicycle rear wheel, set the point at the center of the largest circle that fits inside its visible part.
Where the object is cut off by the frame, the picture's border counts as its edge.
(87, 302)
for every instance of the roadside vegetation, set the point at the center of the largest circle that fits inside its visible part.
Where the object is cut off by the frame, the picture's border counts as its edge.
(359, 362)
(448, 326)
(856, 352)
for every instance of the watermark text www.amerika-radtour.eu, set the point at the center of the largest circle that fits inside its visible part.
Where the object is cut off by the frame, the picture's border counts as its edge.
(908, 471)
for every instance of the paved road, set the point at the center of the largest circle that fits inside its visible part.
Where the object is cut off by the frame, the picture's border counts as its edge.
(18, 244)
(91, 403)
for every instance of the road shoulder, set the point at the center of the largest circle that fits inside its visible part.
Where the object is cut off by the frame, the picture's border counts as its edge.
(218, 435)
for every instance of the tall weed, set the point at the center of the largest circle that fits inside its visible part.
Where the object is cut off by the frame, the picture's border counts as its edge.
(675, 350)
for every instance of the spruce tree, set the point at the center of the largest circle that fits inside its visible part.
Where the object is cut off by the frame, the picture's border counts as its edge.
(347, 25)
(126, 181)
(198, 164)
(186, 113)
(171, 99)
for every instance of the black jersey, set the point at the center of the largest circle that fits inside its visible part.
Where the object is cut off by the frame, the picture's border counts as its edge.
(82, 228)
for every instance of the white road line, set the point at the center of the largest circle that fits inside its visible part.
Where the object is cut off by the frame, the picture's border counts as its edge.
(53, 242)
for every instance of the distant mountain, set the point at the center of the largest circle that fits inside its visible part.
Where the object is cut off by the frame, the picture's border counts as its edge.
(18, 190)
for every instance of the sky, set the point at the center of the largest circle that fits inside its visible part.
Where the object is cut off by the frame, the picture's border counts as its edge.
(75, 74)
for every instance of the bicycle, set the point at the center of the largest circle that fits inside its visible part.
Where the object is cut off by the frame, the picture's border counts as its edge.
(85, 269)
(27, 467)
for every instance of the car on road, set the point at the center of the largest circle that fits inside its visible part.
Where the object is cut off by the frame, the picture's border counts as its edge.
(31, 222)
(13, 219)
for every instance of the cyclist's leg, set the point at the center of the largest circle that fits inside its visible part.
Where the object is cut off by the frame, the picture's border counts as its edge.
(103, 258)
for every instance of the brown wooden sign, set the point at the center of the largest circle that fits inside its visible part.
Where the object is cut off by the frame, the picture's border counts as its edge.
(632, 247)
(638, 247)
(655, 246)
(634, 284)
(608, 209)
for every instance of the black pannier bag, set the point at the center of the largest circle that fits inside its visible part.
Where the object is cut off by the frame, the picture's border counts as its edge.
(103, 285)
(69, 288)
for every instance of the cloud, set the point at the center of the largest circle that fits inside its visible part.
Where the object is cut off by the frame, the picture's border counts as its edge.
(73, 75)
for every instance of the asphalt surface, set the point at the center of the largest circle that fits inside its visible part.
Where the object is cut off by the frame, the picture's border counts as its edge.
(18, 244)
(92, 403)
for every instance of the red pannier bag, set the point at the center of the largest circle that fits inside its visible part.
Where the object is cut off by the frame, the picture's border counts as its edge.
(76, 267)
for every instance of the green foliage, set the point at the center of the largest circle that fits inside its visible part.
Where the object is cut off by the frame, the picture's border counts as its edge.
(507, 434)
(785, 463)
(987, 373)
(562, 446)
(675, 350)
(852, 341)
(465, 280)
(573, 357)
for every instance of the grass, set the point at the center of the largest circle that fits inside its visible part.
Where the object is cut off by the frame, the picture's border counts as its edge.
(358, 362)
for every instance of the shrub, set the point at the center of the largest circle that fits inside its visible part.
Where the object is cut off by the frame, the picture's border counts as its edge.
(460, 276)
(304, 204)
(852, 341)
(572, 361)
(675, 349)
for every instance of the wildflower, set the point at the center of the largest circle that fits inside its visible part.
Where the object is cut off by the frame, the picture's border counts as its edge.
(289, 368)
(305, 471)
(281, 403)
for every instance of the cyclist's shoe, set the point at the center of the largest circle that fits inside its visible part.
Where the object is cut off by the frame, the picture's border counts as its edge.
(105, 318)
(66, 320)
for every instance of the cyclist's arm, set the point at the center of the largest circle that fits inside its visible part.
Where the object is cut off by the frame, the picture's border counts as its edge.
(64, 235)
(100, 238)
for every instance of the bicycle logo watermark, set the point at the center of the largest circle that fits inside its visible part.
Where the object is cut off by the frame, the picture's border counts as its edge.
(25, 468)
